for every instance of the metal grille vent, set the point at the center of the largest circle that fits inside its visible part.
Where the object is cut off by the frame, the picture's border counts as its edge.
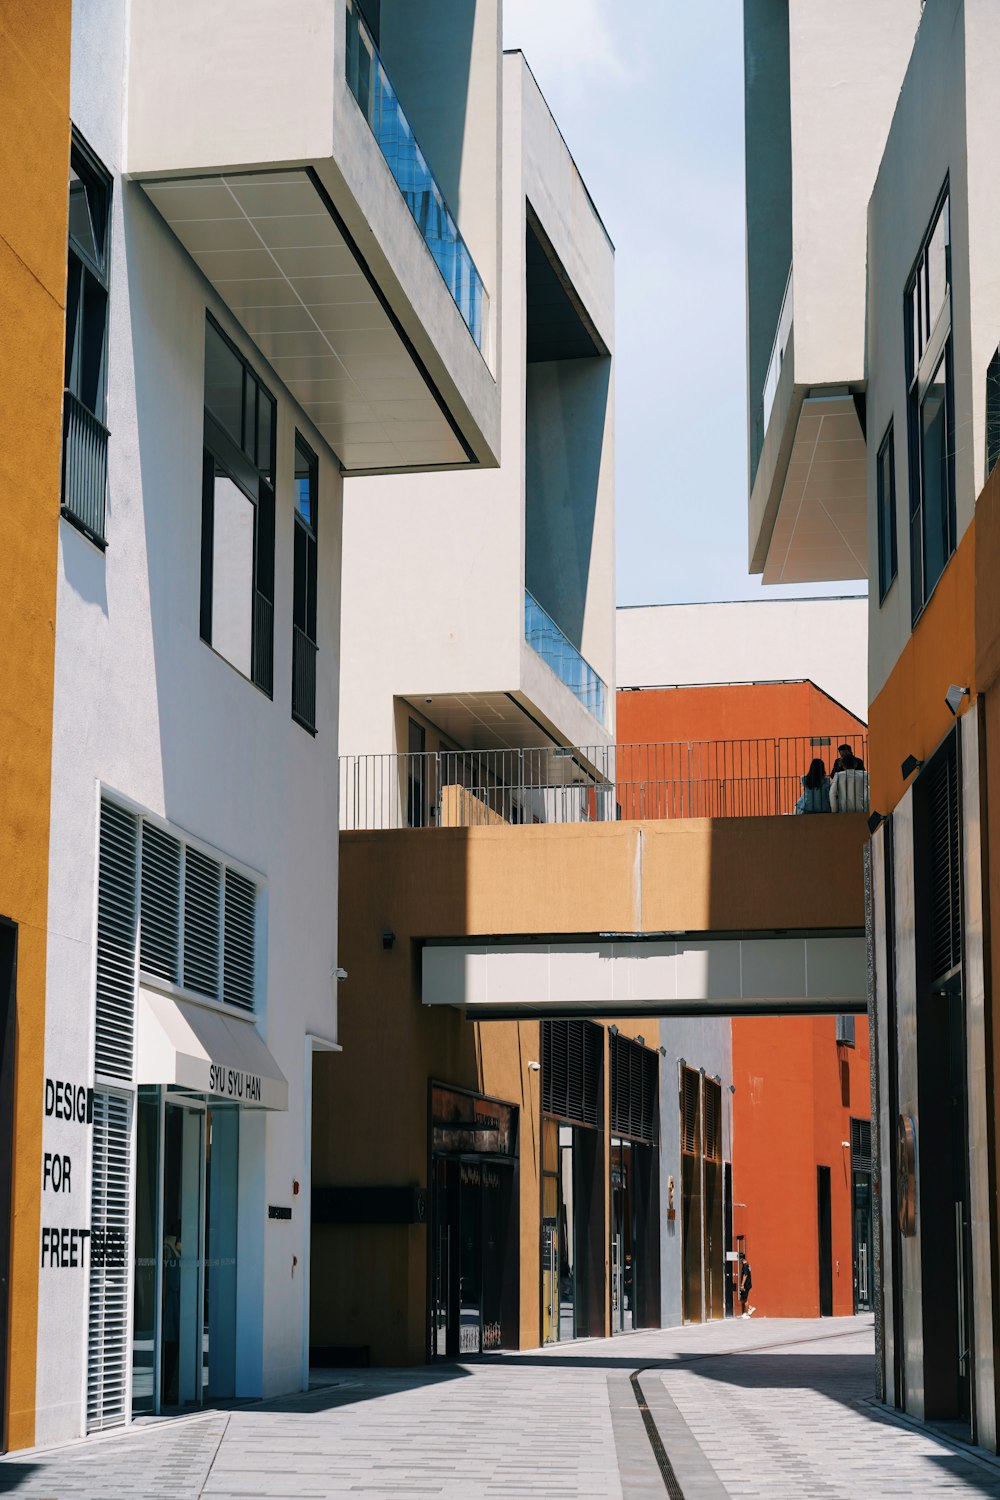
(202, 923)
(634, 1079)
(945, 869)
(993, 412)
(116, 932)
(107, 1338)
(571, 1070)
(159, 942)
(689, 1112)
(861, 1146)
(239, 940)
(713, 1120)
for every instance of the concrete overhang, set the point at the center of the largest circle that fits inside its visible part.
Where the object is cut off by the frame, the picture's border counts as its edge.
(637, 975)
(809, 502)
(267, 171)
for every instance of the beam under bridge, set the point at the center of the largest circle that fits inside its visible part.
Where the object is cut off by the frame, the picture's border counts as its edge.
(634, 974)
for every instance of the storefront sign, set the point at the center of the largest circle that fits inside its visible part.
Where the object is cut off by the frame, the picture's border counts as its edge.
(469, 1123)
(232, 1083)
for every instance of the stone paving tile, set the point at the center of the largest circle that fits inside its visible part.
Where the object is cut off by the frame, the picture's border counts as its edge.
(780, 1423)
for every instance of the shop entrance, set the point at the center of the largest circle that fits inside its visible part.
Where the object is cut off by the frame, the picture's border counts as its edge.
(184, 1312)
(474, 1261)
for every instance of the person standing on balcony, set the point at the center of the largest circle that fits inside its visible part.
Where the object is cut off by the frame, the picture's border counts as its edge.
(815, 790)
(849, 788)
(846, 758)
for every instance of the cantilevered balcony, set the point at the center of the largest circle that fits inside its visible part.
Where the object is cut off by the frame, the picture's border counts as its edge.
(601, 783)
(808, 472)
(275, 145)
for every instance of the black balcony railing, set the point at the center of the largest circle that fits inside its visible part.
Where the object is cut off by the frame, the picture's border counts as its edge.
(84, 468)
(583, 784)
(303, 679)
(263, 642)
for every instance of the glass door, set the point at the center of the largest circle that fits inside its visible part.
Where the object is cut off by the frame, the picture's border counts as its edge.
(470, 1270)
(623, 1268)
(182, 1284)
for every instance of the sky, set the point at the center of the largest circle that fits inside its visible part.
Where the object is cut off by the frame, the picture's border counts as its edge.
(649, 97)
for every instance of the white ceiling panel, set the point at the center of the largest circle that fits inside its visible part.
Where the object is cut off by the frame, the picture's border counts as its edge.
(820, 531)
(277, 258)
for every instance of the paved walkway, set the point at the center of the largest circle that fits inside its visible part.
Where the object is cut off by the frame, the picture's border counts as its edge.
(739, 1409)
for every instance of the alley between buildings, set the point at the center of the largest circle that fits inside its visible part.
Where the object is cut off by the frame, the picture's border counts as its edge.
(775, 1408)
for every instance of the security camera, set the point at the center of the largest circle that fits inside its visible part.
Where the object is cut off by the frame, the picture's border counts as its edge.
(340, 975)
(953, 697)
(535, 1067)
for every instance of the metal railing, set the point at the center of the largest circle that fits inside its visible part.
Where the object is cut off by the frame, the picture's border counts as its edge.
(84, 468)
(377, 99)
(557, 651)
(583, 784)
(304, 679)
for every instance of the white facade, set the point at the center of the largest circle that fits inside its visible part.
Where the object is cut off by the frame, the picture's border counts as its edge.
(436, 566)
(150, 718)
(772, 640)
(821, 84)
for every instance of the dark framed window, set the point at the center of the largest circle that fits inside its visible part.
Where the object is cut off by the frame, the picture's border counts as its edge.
(930, 409)
(992, 413)
(237, 514)
(304, 639)
(85, 435)
(886, 508)
(417, 788)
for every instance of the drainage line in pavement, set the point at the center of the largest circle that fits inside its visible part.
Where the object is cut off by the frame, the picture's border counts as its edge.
(666, 1468)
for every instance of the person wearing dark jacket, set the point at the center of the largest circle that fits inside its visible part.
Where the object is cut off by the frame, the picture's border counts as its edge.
(746, 1282)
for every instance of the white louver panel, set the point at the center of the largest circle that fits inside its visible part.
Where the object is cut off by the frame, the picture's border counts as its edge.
(159, 945)
(202, 923)
(107, 1344)
(238, 956)
(116, 931)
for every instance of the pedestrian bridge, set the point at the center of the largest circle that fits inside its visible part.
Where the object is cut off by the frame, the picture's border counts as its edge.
(700, 916)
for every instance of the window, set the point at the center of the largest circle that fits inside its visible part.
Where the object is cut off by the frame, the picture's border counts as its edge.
(931, 411)
(85, 437)
(237, 519)
(992, 413)
(304, 603)
(886, 478)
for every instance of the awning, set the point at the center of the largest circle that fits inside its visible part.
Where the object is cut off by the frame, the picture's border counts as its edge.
(193, 1047)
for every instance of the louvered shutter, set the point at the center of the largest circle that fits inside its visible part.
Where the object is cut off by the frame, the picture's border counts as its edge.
(861, 1146)
(202, 922)
(689, 1112)
(571, 1070)
(713, 1120)
(116, 932)
(107, 1342)
(634, 1089)
(945, 868)
(239, 941)
(159, 945)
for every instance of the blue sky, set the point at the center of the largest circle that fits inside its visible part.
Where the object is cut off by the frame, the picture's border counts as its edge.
(650, 99)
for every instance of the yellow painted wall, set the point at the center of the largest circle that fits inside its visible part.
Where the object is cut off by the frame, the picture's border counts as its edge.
(369, 1284)
(34, 166)
(909, 716)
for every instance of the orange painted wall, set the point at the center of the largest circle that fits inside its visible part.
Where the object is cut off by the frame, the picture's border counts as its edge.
(34, 171)
(795, 1094)
(909, 716)
(756, 710)
(791, 1079)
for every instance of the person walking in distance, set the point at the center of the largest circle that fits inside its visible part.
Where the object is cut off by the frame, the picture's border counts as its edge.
(746, 1282)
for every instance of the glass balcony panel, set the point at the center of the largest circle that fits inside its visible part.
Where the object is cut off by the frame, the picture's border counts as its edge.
(372, 88)
(557, 651)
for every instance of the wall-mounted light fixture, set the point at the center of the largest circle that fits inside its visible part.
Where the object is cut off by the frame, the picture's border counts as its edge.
(663, 1051)
(910, 764)
(702, 1072)
(613, 1029)
(388, 938)
(718, 1078)
(875, 822)
(953, 698)
(732, 1088)
(641, 1040)
(682, 1062)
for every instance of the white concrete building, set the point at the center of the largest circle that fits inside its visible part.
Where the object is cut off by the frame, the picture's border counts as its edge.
(761, 640)
(481, 607)
(821, 83)
(255, 309)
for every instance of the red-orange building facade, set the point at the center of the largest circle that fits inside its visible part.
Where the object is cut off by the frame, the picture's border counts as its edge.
(801, 1172)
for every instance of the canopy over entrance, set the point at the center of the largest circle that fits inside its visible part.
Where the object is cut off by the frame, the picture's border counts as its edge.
(205, 1050)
